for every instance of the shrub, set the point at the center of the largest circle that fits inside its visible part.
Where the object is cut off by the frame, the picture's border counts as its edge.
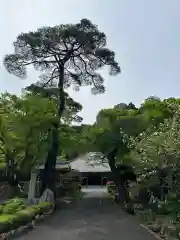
(164, 208)
(13, 221)
(13, 206)
(5, 223)
(23, 217)
(111, 187)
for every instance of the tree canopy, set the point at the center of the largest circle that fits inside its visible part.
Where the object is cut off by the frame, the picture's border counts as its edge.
(79, 48)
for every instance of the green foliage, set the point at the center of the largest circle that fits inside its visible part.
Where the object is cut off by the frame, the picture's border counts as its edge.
(159, 147)
(111, 188)
(22, 217)
(24, 129)
(13, 206)
(156, 157)
(24, 125)
(50, 94)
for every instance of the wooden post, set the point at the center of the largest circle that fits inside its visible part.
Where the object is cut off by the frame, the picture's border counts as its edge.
(32, 185)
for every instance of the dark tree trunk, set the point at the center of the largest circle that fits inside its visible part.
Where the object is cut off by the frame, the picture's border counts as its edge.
(61, 97)
(49, 175)
(11, 174)
(123, 195)
(162, 175)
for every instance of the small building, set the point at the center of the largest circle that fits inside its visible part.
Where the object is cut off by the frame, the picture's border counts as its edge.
(89, 169)
(94, 170)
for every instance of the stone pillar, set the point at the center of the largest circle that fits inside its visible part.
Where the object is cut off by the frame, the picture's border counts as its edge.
(32, 186)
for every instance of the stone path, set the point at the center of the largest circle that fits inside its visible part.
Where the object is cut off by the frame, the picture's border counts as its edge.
(92, 218)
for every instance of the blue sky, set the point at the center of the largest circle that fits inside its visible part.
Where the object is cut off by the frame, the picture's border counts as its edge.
(144, 34)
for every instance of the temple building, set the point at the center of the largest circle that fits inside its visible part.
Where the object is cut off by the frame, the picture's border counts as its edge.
(87, 170)
(94, 170)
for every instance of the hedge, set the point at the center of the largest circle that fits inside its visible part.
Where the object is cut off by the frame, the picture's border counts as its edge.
(12, 206)
(10, 222)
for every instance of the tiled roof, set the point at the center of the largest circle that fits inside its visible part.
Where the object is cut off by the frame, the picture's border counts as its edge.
(60, 165)
(90, 163)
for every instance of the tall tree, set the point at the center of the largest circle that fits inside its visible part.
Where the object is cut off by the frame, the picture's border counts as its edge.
(68, 55)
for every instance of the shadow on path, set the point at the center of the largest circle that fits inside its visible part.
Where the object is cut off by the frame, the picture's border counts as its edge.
(92, 218)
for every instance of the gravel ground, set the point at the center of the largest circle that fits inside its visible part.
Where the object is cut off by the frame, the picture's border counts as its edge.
(92, 218)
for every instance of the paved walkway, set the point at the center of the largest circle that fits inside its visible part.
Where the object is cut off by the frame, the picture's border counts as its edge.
(92, 218)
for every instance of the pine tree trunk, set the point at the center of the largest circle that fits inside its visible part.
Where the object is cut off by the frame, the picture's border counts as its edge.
(49, 175)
